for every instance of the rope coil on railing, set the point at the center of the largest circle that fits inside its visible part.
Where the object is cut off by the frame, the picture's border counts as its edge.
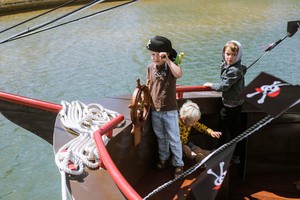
(81, 120)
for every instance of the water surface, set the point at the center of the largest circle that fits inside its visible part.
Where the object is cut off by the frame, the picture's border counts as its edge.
(103, 55)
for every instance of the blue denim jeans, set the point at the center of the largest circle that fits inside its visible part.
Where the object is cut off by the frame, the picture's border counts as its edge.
(166, 128)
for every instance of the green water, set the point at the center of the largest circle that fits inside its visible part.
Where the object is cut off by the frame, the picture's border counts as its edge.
(103, 55)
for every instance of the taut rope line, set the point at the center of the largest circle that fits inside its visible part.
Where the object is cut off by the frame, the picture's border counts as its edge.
(65, 23)
(51, 21)
(35, 17)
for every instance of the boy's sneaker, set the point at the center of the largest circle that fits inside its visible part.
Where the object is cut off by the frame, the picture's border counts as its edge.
(178, 171)
(236, 159)
(161, 164)
(199, 157)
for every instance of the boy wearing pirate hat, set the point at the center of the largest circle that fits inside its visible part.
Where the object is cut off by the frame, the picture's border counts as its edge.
(161, 79)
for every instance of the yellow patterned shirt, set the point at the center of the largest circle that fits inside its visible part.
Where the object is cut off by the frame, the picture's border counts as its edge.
(185, 130)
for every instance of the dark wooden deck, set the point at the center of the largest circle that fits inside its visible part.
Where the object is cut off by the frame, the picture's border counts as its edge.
(178, 190)
(263, 186)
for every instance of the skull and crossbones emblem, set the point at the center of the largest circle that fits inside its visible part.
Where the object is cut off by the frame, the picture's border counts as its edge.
(267, 90)
(219, 178)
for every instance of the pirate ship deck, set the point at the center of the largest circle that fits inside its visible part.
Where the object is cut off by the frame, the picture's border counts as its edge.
(268, 169)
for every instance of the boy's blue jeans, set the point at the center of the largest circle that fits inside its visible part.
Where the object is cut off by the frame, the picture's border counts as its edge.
(166, 128)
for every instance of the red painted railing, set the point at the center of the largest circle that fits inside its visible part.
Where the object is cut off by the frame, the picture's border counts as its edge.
(110, 166)
(57, 107)
(181, 89)
(43, 105)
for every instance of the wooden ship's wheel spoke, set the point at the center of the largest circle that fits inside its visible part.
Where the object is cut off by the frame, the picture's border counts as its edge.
(139, 109)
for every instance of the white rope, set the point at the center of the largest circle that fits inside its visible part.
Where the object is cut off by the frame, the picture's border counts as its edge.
(82, 120)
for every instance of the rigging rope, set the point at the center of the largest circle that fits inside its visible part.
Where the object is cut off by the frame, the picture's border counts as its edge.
(51, 21)
(240, 137)
(82, 120)
(65, 23)
(35, 17)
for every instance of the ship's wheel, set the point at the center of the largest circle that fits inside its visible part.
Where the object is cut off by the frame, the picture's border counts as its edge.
(139, 109)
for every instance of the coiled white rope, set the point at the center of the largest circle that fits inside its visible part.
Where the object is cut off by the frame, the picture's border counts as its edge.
(82, 120)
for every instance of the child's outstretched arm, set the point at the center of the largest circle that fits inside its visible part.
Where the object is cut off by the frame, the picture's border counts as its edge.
(204, 129)
(215, 134)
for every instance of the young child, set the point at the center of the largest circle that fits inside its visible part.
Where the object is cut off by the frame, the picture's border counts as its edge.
(189, 116)
(231, 84)
(161, 80)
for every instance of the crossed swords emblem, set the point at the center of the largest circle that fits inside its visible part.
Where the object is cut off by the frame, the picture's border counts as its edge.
(267, 90)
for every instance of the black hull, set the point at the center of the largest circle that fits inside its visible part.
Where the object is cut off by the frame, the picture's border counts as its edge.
(32, 119)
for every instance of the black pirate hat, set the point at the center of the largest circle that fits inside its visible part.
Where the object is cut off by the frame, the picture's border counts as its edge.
(161, 44)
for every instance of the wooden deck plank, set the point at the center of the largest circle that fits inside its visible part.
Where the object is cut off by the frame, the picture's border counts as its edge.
(264, 186)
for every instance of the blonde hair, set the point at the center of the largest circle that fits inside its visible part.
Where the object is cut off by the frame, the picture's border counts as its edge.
(190, 111)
